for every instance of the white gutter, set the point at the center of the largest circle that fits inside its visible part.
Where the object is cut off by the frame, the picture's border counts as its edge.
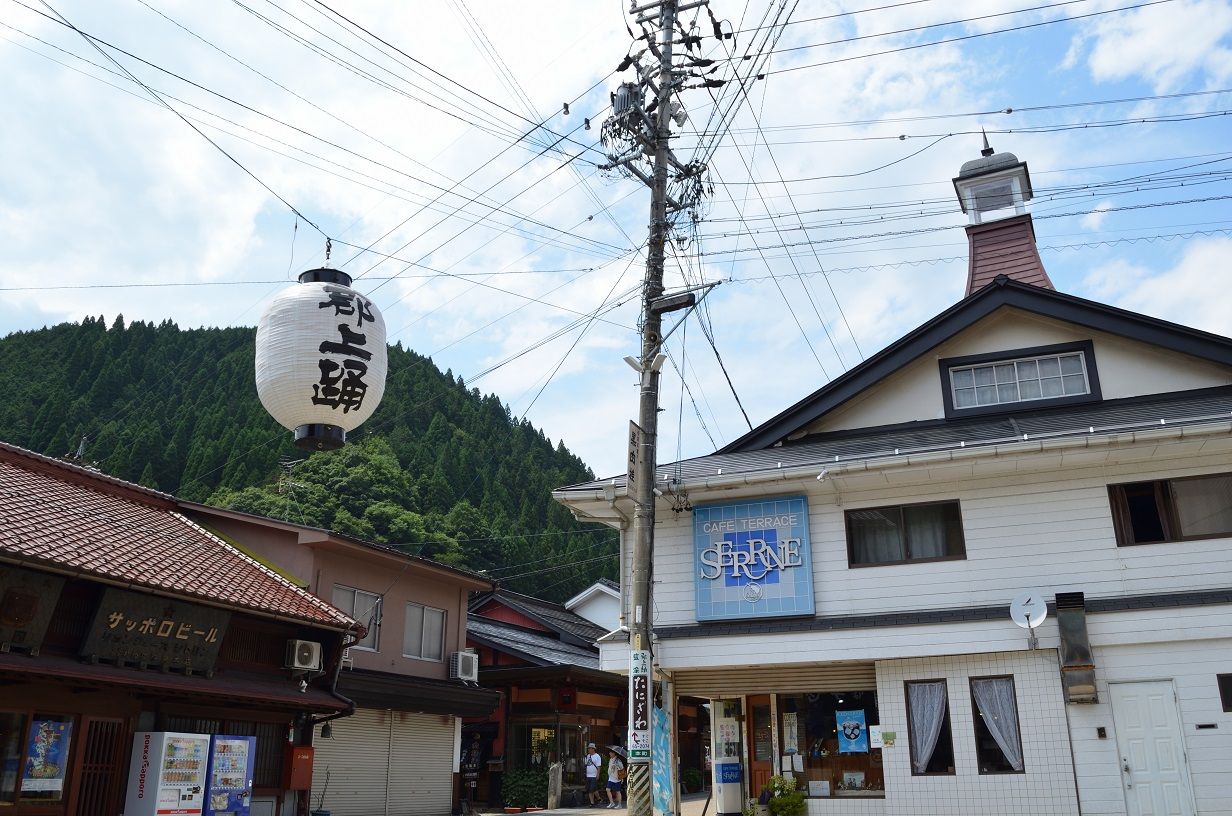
(1028, 444)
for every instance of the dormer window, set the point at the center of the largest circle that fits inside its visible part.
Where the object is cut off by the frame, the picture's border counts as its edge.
(990, 383)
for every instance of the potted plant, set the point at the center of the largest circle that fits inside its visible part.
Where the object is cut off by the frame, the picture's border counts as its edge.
(692, 779)
(524, 788)
(785, 798)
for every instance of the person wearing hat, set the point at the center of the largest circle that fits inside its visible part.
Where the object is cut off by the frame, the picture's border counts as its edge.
(615, 778)
(593, 763)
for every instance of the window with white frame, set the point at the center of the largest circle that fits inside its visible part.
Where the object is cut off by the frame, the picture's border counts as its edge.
(364, 607)
(424, 637)
(1038, 377)
(1032, 378)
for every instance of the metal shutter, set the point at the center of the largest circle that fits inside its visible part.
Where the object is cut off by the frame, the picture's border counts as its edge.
(367, 778)
(421, 775)
(733, 682)
(351, 766)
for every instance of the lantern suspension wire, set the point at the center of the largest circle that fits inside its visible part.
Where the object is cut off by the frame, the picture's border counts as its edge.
(181, 116)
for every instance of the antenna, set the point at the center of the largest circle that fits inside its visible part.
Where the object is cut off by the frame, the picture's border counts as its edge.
(1028, 611)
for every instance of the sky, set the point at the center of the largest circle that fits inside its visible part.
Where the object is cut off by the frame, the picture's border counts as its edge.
(430, 142)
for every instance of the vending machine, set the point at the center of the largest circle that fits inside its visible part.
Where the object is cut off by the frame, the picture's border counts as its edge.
(229, 785)
(167, 774)
(726, 757)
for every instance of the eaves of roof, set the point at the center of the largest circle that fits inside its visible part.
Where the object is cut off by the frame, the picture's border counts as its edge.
(556, 617)
(1186, 413)
(529, 645)
(1001, 292)
(480, 581)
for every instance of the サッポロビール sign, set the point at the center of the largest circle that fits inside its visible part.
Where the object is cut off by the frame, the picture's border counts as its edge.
(752, 559)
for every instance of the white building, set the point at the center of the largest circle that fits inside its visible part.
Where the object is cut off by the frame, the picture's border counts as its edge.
(851, 562)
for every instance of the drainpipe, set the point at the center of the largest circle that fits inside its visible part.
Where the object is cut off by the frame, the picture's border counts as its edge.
(313, 722)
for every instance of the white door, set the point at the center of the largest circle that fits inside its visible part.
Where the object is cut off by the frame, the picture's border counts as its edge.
(1154, 771)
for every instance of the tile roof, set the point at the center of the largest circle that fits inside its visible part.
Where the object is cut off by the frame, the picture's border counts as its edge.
(552, 615)
(69, 519)
(536, 647)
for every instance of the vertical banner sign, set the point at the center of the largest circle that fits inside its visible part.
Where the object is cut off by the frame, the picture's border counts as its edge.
(639, 706)
(635, 447)
(660, 767)
(852, 732)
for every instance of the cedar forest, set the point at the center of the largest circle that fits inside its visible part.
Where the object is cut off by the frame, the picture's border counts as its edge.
(439, 470)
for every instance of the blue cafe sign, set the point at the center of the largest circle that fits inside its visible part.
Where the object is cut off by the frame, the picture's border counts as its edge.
(752, 559)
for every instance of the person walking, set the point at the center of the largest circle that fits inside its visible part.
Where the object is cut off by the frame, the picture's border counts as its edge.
(615, 778)
(593, 763)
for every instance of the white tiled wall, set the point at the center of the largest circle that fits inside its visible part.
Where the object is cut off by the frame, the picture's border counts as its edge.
(1046, 787)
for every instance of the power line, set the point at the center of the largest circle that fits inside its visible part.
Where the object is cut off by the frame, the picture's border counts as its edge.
(962, 38)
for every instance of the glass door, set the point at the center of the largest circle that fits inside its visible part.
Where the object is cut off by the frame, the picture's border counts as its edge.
(761, 744)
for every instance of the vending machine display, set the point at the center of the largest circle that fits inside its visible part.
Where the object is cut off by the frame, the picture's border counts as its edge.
(229, 790)
(167, 774)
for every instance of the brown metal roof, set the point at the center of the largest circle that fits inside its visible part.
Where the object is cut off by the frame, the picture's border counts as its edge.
(1004, 247)
(68, 519)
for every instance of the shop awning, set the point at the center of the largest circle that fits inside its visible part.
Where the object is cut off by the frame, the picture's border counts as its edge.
(276, 693)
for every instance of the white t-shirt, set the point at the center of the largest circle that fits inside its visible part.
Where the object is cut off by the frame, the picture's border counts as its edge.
(613, 769)
(593, 761)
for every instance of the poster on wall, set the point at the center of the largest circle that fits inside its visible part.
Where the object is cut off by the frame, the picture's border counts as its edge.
(852, 732)
(791, 733)
(752, 559)
(46, 759)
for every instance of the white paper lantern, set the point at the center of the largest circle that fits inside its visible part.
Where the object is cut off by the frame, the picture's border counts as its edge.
(321, 358)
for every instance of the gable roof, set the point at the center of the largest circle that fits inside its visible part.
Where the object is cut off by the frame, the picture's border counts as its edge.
(1000, 293)
(604, 586)
(67, 519)
(568, 625)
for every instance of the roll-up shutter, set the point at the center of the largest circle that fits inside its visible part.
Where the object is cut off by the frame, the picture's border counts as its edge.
(349, 768)
(732, 682)
(421, 776)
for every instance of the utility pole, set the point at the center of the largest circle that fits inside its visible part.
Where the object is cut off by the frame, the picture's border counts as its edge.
(634, 136)
(639, 776)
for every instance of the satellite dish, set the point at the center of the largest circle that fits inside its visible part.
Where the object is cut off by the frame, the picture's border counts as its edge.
(1029, 609)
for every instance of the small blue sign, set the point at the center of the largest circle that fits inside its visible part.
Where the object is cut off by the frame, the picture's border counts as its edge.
(852, 732)
(729, 772)
(660, 762)
(752, 559)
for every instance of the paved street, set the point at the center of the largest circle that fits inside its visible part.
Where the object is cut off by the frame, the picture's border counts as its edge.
(691, 805)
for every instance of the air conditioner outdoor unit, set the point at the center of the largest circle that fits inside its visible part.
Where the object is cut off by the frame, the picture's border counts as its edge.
(303, 655)
(464, 666)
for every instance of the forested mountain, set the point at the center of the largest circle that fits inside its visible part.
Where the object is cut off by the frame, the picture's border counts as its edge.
(439, 469)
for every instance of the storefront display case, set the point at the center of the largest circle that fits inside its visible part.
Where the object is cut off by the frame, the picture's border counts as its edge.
(826, 743)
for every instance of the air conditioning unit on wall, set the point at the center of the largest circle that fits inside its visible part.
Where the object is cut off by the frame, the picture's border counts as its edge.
(464, 666)
(303, 655)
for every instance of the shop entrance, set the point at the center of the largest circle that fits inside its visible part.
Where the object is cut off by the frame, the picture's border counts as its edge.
(760, 740)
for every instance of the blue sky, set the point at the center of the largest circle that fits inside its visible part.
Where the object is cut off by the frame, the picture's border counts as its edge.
(101, 185)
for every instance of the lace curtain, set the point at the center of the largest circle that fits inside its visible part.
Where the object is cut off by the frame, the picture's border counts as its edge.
(994, 696)
(926, 702)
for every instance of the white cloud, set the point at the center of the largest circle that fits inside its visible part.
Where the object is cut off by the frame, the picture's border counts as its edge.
(1193, 292)
(1094, 220)
(1163, 44)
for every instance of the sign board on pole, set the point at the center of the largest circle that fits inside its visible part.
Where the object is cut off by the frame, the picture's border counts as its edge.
(635, 446)
(639, 706)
